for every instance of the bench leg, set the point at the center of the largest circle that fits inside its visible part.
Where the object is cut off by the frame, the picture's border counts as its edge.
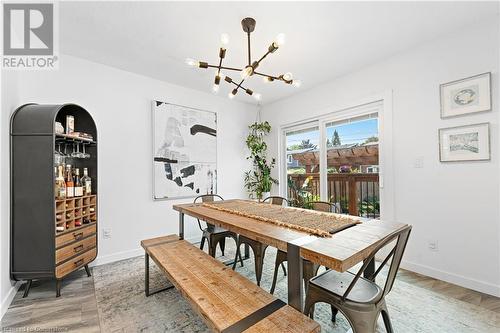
(146, 279)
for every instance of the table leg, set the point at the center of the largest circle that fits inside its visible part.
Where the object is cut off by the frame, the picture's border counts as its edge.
(181, 225)
(295, 273)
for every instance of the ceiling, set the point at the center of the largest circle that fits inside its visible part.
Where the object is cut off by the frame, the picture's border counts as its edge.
(323, 39)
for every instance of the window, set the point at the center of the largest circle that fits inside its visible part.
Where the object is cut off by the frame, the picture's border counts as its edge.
(302, 171)
(336, 159)
(352, 150)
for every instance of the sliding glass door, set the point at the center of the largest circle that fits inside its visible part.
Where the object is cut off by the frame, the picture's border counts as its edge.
(352, 165)
(302, 164)
(335, 159)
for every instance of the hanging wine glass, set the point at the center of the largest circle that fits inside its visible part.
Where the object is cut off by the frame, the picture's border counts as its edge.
(84, 154)
(76, 153)
(59, 157)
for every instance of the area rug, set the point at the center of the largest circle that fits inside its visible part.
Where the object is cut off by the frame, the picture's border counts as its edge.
(123, 307)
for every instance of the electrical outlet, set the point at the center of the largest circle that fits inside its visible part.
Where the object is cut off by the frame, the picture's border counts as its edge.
(433, 245)
(106, 233)
(418, 163)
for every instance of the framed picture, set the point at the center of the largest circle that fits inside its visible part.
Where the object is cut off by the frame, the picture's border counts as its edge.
(184, 151)
(464, 143)
(465, 96)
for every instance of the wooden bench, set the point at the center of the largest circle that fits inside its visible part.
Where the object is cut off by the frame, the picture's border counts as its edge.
(227, 301)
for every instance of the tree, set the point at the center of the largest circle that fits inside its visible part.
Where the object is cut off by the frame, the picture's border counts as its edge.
(371, 139)
(306, 144)
(336, 139)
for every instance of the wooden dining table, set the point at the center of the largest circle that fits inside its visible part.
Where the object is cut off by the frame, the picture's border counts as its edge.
(340, 252)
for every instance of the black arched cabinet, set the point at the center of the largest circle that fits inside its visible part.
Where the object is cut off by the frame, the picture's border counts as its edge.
(39, 250)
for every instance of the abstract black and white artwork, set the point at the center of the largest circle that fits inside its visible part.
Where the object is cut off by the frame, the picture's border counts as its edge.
(465, 143)
(184, 151)
(465, 96)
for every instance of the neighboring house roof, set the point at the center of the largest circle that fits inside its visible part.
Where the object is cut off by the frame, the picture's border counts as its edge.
(298, 151)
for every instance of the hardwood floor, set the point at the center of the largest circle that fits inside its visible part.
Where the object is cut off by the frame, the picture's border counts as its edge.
(76, 309)
(482, 300)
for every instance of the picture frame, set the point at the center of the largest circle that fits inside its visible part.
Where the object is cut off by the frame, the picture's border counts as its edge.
(465, 143)
(466, 96)
(184, 151)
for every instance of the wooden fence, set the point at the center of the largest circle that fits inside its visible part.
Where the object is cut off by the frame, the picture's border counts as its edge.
(353, 193)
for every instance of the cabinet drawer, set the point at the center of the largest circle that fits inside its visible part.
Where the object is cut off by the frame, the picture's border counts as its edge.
(75, 248)
(75, 235)
(75, 263)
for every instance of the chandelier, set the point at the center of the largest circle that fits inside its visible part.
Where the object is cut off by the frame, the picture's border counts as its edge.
(248, 25)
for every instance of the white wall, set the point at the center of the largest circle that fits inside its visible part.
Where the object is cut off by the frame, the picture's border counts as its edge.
(120, 103)
(453, 203)
(9, 101)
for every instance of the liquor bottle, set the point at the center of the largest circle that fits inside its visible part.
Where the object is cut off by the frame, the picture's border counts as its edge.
(60, 185)
(86, 182)
(86, 220)
(59, 228)
(78, 184)
(91, 209)
(70, 189)
(78, 223)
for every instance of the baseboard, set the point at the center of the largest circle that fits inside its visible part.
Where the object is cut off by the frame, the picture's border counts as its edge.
(481, 286)
(109, 258)
(8, 299)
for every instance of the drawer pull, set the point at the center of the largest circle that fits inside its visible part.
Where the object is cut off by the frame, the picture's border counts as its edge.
(78, 262)
(78, 235)
(78, 248)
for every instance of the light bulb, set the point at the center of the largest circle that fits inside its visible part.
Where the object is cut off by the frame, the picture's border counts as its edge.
(246, 72)
(230, 95)
(191, 62)
(215, 88)
(257, 96)
(296, 83)
(280, 39)
(224, 39)
(287, 76)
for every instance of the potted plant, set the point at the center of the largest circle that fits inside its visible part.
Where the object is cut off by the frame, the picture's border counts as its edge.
(258, 181)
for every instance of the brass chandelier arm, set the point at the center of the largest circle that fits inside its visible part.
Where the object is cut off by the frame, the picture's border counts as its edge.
(279, 78)
(266, 75)
(226, 68)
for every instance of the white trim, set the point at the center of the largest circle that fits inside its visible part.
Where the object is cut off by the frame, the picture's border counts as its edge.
(109, 258)
(7, 300)
(481, 286)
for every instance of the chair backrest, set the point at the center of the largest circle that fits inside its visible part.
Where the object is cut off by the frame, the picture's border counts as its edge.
(276, 200)
(206, 198)
(396, 254)
(324, 206)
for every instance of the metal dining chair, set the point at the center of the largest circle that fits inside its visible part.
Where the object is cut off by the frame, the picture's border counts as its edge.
(359, 299)
(276, 200)
(215, 235)
(310, 269)
(258, 248)
(324, 206)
